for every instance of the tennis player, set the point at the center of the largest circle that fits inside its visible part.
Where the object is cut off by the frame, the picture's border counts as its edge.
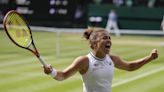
(97, 67)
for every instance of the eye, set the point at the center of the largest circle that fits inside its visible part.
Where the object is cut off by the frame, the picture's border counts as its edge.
(106, 37)
(109, 37)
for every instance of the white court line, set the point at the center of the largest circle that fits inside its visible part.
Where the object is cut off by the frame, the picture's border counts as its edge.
(114, 85)
(138, 77)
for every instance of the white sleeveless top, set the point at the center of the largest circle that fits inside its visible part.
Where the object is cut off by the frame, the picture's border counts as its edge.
(99, 76)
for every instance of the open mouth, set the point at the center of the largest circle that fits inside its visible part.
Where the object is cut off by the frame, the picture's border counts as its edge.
(107, 46)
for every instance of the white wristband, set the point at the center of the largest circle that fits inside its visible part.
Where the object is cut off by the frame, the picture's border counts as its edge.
(53, 73)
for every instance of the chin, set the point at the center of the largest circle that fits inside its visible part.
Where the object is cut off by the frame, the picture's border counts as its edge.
(107, 52)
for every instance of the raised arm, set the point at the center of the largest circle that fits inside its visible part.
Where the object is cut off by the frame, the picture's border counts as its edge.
(135, 64)
(78, 65)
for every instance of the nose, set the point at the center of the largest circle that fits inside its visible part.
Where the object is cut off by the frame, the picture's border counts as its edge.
(108, 40)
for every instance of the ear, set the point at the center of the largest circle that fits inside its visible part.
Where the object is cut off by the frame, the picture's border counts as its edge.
(95, 44)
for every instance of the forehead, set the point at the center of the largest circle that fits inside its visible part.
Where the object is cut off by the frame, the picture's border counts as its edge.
(104, 33)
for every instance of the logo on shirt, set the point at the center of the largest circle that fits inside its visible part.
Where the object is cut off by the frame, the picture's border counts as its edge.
(110, 63)
(96, 65)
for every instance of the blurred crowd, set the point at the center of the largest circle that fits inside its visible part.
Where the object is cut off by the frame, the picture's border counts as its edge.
(130, 3)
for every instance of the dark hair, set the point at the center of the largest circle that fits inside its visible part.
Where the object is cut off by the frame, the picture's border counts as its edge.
(87, 33)
(91, 34)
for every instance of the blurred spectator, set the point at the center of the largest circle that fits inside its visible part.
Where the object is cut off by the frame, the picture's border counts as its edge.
(112, 23)
(78, 12)
(151, 3)
(1, 16)
(129, 3)
(118, 2)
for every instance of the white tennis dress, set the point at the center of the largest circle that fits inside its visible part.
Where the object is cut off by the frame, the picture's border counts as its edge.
(99, 76)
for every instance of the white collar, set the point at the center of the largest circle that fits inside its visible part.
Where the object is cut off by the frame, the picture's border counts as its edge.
(100, 59)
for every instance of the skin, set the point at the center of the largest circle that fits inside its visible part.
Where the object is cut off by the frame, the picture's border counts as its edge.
(100, 48)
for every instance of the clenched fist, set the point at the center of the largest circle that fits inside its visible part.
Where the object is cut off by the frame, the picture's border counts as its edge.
(153, 54)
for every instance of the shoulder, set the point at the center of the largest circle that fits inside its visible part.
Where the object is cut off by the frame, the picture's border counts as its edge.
(82, 61)
(115, 58)
(81, 58)
(83, 64)
(119, 62)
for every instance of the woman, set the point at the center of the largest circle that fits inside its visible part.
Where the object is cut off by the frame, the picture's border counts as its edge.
(97, 67)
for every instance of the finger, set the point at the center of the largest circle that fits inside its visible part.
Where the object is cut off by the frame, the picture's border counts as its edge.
(154, 51)
(47, 66)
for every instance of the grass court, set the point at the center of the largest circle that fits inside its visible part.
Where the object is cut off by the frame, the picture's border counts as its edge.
(20, 71)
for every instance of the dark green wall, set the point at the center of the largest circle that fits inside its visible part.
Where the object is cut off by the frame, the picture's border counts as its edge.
(130, 17)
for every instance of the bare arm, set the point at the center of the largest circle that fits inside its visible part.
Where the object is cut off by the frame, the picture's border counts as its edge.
(77, 65)
(135, 64)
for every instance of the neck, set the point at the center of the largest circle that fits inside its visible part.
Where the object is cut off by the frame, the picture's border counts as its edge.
(98, 56)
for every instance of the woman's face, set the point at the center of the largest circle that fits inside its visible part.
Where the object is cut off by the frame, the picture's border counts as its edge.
(103, 43)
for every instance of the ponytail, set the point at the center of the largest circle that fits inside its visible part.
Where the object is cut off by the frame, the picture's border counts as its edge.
(91, 34)
(88, 32)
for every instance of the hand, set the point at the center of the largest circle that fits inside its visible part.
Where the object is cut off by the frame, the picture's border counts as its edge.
(47, 69)
(154, 54)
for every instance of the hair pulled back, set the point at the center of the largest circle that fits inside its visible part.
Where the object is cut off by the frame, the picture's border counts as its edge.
(92, 33)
